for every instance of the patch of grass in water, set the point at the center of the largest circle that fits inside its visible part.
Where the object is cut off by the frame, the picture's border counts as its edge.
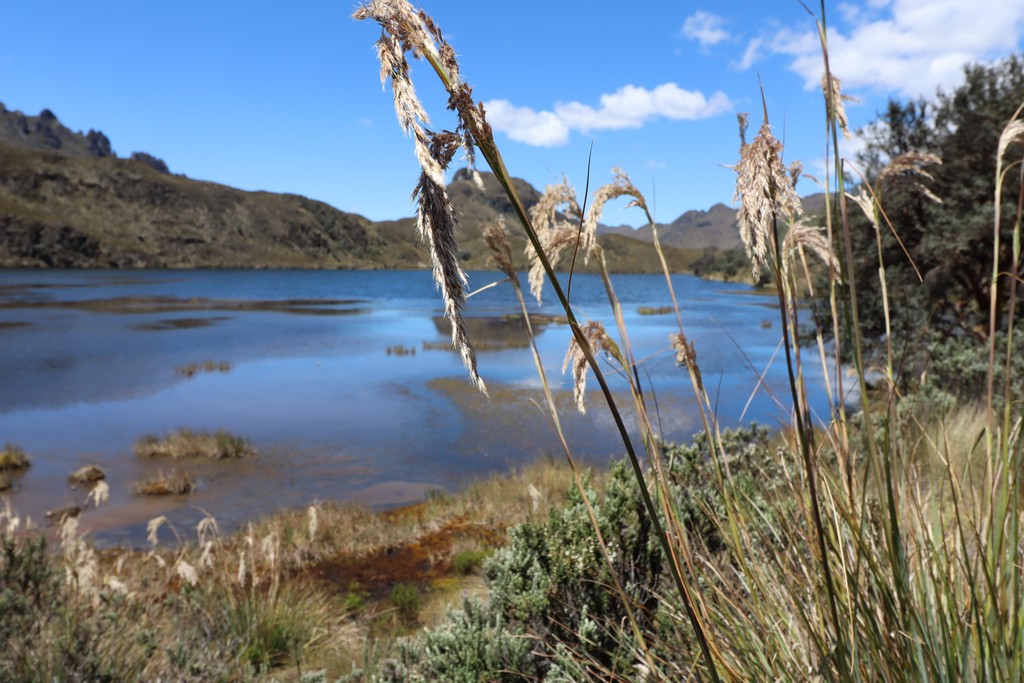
(13, 457)
(175, 483)
(190, 370)
(185, 443)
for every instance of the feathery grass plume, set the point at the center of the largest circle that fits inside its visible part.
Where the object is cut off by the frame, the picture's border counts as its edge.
(553, 242)
(207, 529)
(99, 493)
(686, 356)
(555, 234)
(1012, 133)
(600, 342)
(796, 171)
(436, 222)
(313, 523)
(621, 186)
(764, 190)
(152, 527)
(802, 235)
(186, 572)
(81, 566)
(9, 519)
(404, 30)
(835, 102)
(241, 574)
(206, 557)
(906, 169)
(496, 238)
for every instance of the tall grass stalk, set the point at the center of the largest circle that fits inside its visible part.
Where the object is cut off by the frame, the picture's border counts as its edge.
(404, 29)
(891, 548)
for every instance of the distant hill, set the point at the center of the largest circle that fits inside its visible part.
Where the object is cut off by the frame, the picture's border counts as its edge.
(68, 200)
(716, 227)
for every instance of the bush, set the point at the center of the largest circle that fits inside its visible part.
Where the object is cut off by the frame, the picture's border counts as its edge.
(406, 597)
(469, 561)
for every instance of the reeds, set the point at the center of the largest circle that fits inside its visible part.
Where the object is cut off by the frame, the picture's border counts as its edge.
(866, 564)
(185, 443)
(173, 483)
(13, 457)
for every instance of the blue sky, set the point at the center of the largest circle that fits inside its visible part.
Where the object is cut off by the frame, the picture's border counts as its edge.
(266, 95)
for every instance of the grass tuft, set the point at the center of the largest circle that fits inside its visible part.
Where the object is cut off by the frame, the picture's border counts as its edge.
(88, 474)
(174, 483)
(185, 443)
(13, 457)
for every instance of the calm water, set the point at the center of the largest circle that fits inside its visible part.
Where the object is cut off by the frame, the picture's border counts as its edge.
(315, 378)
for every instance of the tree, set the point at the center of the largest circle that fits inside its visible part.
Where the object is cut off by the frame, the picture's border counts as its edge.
(941, 293)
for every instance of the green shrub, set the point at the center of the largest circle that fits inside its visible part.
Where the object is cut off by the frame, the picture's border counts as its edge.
(355, 598)
(473, 644)
(469, 561)
(406, 597)
(754, 471)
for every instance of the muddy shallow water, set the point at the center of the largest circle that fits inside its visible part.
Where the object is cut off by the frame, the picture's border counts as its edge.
(343, 381)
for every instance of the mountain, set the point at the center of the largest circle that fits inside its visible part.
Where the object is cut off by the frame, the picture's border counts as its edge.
(715, 228)
(68, 200)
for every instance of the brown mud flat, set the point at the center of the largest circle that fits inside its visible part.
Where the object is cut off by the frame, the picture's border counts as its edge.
(423, 561)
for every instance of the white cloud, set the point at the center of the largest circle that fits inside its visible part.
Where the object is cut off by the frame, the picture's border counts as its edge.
(522, 124)
(910, 47)
(754, 52)
(705, 28)
(628, 107)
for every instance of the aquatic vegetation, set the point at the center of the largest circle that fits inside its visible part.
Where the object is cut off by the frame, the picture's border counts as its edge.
(185, 443)
(173, 483)
(13, 457)
(190, 370)
(655, 310)
(87, 474)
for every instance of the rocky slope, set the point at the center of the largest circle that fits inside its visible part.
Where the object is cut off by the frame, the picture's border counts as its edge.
(68, 200)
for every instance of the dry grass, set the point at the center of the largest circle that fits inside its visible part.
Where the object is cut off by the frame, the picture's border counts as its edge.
(13, 457)
(174, 483)
(262, 604)
(185, 443)
(88, 474)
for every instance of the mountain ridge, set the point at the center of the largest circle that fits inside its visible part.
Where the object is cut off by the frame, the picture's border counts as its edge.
(68, 200)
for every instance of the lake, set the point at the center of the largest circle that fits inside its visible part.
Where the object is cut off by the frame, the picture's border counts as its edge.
(344, 382)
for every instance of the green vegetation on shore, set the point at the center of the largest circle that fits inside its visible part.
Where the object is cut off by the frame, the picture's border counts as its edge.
(882, 543)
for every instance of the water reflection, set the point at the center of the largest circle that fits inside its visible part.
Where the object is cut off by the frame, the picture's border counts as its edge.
(91, 361)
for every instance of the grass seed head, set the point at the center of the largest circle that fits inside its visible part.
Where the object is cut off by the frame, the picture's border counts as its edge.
(404, 30)
(554, 233)
(764, 190)
(907, 169)
(598, 340)
(99, 493)
(835, 102)
(802, 235)
(496, 238)
(621, 186)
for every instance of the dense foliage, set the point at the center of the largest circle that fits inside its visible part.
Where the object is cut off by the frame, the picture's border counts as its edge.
(554, 613)
(940, 295)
